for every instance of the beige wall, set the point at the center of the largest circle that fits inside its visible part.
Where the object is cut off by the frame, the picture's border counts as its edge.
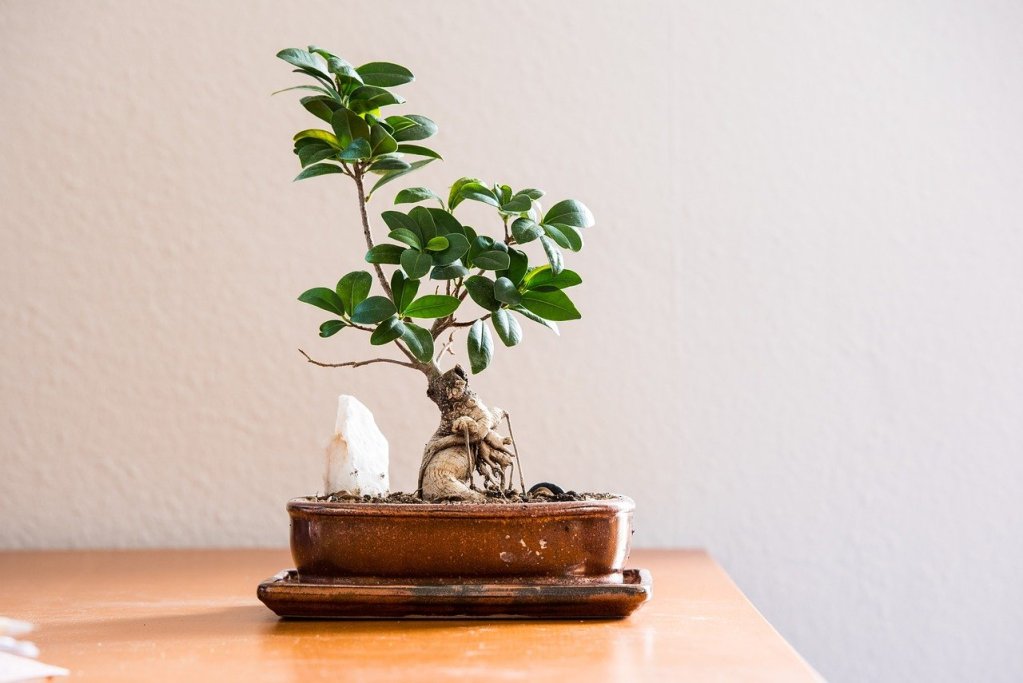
(803, 318)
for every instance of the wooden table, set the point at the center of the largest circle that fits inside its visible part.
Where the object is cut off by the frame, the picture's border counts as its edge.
(193, 616)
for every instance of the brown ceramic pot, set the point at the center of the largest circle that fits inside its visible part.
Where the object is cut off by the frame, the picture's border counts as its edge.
(584, 540)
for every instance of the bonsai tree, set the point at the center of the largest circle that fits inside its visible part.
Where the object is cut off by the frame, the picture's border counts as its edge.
(445, 276)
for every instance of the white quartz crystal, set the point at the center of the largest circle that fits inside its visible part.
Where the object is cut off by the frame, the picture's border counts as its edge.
(357, 455)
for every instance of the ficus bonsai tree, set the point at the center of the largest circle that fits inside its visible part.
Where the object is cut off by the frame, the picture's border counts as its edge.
(445, 276)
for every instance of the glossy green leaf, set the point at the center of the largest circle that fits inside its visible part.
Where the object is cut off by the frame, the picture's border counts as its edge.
(400, 123)
(525, 230)
(358, 149)
(381, 141)
(388, 164)
(456, 247)
(555, 233)
(569, 212)
(481, 290)
(415, 263)
(353, 288)
(348, 126)
(385, 253)
(373, 310)
(451, 271)
(422, 129)
(310, 154)
(537, 319)
(387, 331)
(437, 243)
(424, 222)
(418, 150)
(419, 341)
(385, 74)
(481, 347)
(506, 292)
(394, 175)
(480, 193)
(454, 195)
(320, 106)
(446, 223)
(517, 204)
(324, 298)
(518, 267)
(491, 260)
(317, 134)
(331, 327)
(553, 254)
(315, 88)
(368, 98)
(532, 193)
(571, 238)
(508, 328)
(319, 169)
(396, 220)
(432, 306)
(553, 305)
(305, 60)
(407, 237)
(411, 195)
(544, 276)
(403, 290)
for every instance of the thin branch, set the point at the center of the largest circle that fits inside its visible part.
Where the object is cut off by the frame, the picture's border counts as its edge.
(366, 231)
(471, 322)
(357, 364)
(446, 347)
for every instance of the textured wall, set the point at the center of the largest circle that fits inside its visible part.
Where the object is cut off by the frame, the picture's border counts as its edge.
(803, 310)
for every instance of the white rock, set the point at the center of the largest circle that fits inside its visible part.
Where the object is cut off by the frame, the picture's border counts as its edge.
(357, 455)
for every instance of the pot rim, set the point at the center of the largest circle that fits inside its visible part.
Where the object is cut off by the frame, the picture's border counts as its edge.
(619, 504)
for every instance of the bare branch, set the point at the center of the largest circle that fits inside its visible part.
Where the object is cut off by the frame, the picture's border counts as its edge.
(357, 364)
(446, 347)
(469, 324)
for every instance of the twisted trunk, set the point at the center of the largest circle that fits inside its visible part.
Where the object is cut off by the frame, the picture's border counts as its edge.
(465, 443)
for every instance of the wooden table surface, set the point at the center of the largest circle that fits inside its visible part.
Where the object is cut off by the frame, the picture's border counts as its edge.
(193, 616)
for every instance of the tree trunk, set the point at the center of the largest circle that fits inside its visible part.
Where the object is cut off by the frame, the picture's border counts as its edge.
(464, 443)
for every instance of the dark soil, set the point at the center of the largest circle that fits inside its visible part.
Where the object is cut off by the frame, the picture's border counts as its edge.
(493, 498)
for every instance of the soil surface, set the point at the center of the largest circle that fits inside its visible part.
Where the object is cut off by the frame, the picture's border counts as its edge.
(492, 498)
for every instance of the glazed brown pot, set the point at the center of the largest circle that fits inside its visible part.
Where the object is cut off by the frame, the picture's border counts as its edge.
(587, 540)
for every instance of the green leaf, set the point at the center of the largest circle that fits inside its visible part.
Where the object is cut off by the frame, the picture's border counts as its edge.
(310, 154)
(317, 134)
(411, 195)
(451, 271)
(400, 123)
(492, 260)
(394, 175)
(572, 235)
(331, 327)
(569, 212)
(324, 298)
(454, 195)
(532, 193)
(381, 141)
(319, 169)
(373, 310)
(396, 220)
(348, 126)
(553, 254)
(525, 230)
(320, 106)
(418, 150)
(419, 341)
(557, 235)
(508, 328)
(481, 290)
(544, 277)
(518, 204)
(424, 220)
(353, 288)
(304, 60)
(481, 347)
(385, 74)
(506, 292)
(446, 223)
(480, 193)
(553, 305)
(315, 88)
(388, 164)
(432, 306)
(385, 253)
(403, 290)
(438, 243)
(406, 236)
(456, 247)
(358, 149)
(537, 319)
(369, 98)
(422, 129)
(387, 331)
(415, 263)
(518, 267)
